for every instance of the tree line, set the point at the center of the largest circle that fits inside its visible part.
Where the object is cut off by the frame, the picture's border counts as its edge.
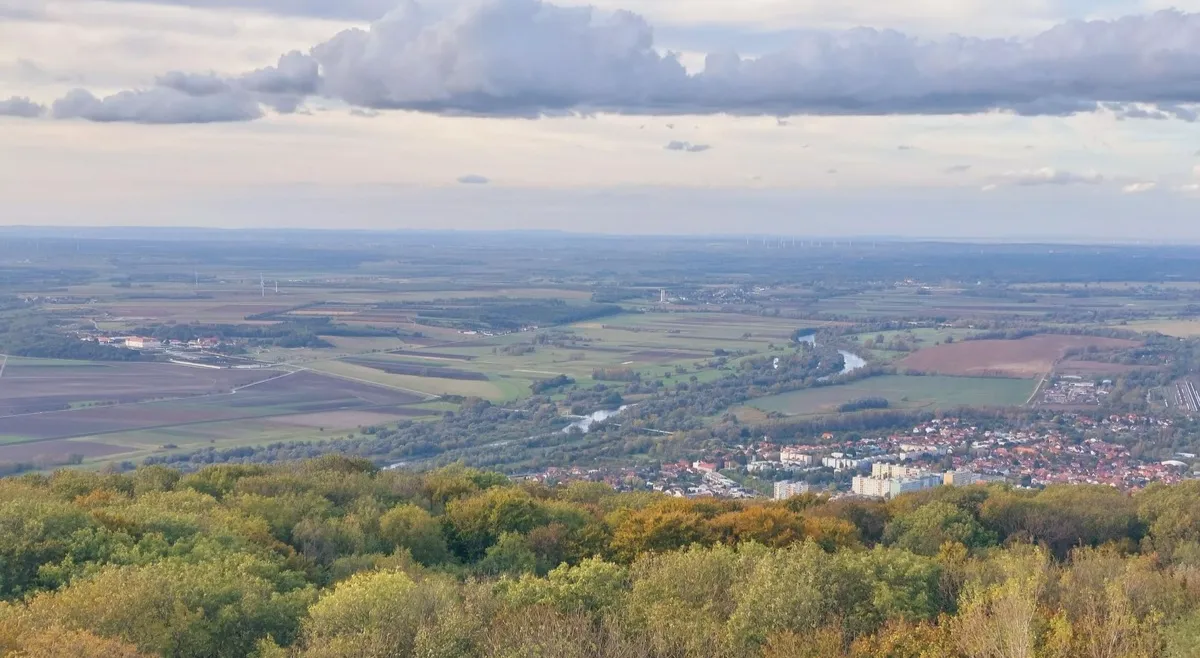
(334, 557)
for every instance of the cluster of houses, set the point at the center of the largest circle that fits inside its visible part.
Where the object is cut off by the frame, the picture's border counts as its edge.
(146, 343)
(1073, 390)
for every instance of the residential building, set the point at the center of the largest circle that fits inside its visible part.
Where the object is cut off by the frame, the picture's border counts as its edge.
(960, 478)
(139, 343)
(919, 483)
(885, 471)
(843, 463)
(788, 489)
(890, 480)
(794, 457)
(871, 487)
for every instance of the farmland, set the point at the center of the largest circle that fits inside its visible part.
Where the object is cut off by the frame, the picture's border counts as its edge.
(1180, 328)
(903, 392)
(1026, 357)
(352, 330)
(46, 404)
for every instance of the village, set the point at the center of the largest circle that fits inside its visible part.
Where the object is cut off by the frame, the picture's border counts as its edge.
(151, 344)
(940, 452)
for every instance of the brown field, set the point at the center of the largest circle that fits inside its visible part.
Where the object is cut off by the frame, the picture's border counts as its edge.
(666, 355)
(299, 393)
(1095, 368)
(1024, 358)
(433, 355)
(27, 387)
(21, 452)
(340, 419)
(1181, 328)
(416, 369)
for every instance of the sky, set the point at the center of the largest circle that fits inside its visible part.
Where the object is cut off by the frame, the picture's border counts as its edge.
(1023, 119)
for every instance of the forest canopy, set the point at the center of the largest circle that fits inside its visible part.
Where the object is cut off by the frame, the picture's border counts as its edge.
(334, 557)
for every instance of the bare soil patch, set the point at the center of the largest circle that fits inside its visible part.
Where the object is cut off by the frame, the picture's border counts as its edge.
(417, 369)
(666, 355)
(298, 393)
(433, 355)
(1024, 358)
(337, 419)
(31, 388)
(1096, 368)
(22, 452)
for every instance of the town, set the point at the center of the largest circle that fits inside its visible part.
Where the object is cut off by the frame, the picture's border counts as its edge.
(940, 452)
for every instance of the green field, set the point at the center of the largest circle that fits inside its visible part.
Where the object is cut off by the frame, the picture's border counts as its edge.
(904, 392)
(653, 344)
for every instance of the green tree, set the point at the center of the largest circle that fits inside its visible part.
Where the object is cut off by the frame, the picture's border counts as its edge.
(412, 528)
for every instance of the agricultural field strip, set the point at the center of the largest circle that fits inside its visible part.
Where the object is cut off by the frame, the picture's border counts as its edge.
(429, 397)
(202, 398)
(189, 398)
(1040, 384)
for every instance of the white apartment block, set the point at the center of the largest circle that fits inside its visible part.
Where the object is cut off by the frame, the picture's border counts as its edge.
(788, 489)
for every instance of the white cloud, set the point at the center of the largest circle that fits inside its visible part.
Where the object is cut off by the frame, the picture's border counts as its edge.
(18, 106)
(1049, 176)
(22, 9)
(957, 169)
(1139, 187)
(340, 9)
(474, 179)
(160, 105)
(528, 58)
(676, 145)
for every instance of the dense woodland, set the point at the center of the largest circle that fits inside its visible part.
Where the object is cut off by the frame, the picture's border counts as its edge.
(334, 558)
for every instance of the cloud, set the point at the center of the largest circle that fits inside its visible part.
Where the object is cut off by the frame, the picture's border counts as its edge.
(957, 169)
(1159, 112)
(22, 9)
(531, 58)
(336, 9)
(295, 74)
(365, 114)
(675, 145)
(159, 105)
(1048, 176)
(1139, 187)
(473, 179)
(18, 106)
(194, 84)
(554, 59)
(180, 97)
(905, 147)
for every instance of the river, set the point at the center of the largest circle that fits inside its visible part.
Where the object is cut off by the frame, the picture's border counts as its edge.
(851, 360)
(585, 423)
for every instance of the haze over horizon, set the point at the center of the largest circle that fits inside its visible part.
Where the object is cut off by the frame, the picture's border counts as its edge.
(633, 116)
